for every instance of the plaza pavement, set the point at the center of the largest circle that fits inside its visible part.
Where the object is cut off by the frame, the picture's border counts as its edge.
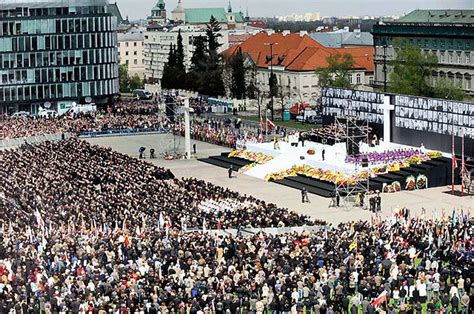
(433, 199)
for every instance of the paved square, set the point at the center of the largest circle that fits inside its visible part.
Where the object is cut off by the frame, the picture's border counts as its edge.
(431, 199)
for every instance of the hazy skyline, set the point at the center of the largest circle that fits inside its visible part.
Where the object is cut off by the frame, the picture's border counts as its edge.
(136, 9)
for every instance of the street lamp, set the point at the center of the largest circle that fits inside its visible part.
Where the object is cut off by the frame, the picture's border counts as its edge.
(270, 82)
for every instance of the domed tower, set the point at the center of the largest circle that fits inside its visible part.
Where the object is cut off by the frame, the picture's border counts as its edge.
(178, 13)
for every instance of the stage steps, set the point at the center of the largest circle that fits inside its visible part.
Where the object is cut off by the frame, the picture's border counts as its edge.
(313, 189)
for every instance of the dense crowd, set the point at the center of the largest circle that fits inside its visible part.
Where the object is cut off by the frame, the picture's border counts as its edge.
(134, 106)
(12, 127)
(86, 229)
(219, 133)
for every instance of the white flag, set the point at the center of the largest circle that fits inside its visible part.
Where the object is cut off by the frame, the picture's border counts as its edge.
(162, 220)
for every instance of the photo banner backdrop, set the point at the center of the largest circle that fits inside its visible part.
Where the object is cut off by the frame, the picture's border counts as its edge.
(338, 102)
(434, 115)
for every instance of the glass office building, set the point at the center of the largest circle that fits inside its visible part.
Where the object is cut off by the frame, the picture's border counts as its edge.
(56, 51)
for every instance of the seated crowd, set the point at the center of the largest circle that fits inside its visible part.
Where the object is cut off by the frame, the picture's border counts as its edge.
(85, 229)
(11, 127)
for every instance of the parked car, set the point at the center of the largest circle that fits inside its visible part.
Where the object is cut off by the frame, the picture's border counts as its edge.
(142, 94)
(21, 114)
(314, 120)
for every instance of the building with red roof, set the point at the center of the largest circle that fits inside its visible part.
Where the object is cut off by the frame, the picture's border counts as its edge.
(295, 58)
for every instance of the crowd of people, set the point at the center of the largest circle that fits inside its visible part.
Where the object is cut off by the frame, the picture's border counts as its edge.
(86, 229)
(219, 133)
(134, 106)
(13, 127)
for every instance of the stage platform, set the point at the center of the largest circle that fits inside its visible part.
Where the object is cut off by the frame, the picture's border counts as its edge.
(437, 171)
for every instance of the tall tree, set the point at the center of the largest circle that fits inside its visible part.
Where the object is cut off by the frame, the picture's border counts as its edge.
(273, 83)
(168, 77)
(180, 68)
(194, 78)
(213, 35)
(411, 70)
(238, 88)
(336, 73)
(213, 82)
(180, 52)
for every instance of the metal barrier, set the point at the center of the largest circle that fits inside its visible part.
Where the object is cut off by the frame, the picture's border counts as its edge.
(273, 231)
(15, 142)
(123, 132)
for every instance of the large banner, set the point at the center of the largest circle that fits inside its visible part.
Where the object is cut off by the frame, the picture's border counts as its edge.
(434, 115)
(338, 102)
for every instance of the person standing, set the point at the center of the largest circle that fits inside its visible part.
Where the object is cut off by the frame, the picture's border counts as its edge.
(304, 196)
(323, 153)
(231, 169)
(338, 199)
(378, 202)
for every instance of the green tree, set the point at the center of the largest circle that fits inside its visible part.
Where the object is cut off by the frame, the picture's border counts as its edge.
(336, 74)
(136, 82)
(179, 80)
(194, 78)
(167, 79)
(124, 79)
(238, 88)
(273, 83)
(212, 83)
(445, 88)
(199, 57)
(179, 52)
(213, 35)
(411, 70)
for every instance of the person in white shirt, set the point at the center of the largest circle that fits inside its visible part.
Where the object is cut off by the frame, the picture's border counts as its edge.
(453, 291)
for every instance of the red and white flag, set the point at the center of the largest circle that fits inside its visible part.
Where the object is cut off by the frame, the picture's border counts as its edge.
(380, 299)
(270, 124)
(262, 125)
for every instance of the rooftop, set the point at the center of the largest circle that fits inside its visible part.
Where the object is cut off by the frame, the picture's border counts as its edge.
(203, 15)
(298, 52)
(338, 40)
(438, 17)
(130, 36)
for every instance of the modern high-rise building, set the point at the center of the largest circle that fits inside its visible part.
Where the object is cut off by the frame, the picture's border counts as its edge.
(55, 53)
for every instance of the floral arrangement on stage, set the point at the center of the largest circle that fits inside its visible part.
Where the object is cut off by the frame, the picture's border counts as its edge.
(392, 188)
(259, 158)
(410, 183)
(247, 167)
(434, 154)
(338, 178)
(389, 157)
(421, 182)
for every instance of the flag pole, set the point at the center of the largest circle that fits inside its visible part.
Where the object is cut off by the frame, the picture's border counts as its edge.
(266, 126)
(462, 164)
(453, 163)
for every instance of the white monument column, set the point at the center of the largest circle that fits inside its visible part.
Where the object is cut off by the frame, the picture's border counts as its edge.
(187, 129)
(387, 126)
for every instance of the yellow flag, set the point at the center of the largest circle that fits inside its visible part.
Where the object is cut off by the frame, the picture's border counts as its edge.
(353, 245)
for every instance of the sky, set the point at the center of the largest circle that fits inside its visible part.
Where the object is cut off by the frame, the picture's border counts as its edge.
(137, 9)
